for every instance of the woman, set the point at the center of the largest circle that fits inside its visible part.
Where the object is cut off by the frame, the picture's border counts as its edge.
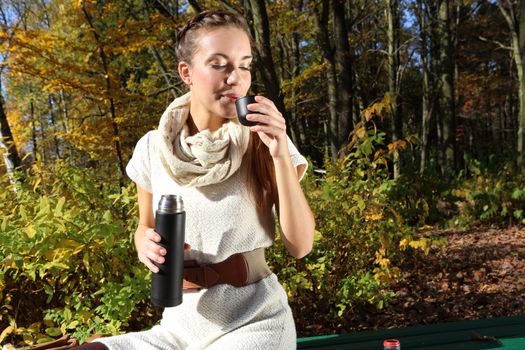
(230, 177)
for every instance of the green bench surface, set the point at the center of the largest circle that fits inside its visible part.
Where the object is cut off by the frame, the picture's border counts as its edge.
(509, 333)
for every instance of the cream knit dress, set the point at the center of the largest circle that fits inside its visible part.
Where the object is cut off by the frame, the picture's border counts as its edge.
(221, 220)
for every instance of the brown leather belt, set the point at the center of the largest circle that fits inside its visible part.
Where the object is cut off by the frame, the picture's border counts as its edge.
(238, 270)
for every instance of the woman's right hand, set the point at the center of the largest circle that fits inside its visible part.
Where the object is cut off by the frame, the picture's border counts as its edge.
(148, 249)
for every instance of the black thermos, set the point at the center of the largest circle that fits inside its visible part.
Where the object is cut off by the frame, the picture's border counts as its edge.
(170, 221)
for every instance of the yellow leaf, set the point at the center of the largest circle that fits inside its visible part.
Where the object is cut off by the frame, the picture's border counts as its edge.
(374, 217)
(368, 114)
(85, 261)
(361, 132)
(36, 184)
(8, 330)
(30, 231)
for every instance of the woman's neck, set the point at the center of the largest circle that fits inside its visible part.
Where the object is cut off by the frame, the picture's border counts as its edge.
(197, 124)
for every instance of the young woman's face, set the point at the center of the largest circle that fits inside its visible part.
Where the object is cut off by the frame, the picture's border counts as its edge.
(219, 72)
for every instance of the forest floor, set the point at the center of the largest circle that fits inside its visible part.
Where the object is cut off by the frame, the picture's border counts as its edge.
(479, 274)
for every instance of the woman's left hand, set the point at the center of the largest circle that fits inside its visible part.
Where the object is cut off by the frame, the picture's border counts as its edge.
(271, 127)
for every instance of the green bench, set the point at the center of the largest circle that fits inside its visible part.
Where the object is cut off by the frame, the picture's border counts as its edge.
(506, 333)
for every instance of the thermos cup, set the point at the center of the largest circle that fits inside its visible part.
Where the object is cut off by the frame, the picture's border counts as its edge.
(170, 221)
(241, 106)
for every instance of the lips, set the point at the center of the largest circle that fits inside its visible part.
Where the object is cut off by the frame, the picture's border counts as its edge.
(232, 97)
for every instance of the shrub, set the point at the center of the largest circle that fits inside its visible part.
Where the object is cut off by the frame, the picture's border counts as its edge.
(492, 197)
(357, 238)
(66, 257)
(424, 199)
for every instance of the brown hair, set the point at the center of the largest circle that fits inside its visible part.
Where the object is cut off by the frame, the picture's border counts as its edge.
(186, 38)
(260, 171)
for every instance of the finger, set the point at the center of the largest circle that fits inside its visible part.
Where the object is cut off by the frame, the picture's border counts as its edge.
(152, 235)
(267, 119)
(268, 109)
(149, 264)
(270, 131)
(156, 249)
(267, 102)
(154, 256)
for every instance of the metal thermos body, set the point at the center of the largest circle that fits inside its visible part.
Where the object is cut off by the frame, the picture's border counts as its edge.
(170, 221)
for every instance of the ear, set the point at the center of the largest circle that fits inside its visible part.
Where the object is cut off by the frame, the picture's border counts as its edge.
(185, 72)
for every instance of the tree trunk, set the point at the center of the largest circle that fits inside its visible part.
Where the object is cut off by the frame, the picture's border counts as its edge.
(53, 117)
(195, 5)
(10, 154)
(520, 63)
(290, 63)
(426, 110)
(392, 16)
(447, 105)
(65, 112)
(266, 65)
(109, 92)
(158, 58)
(300, 121)
(34, 137)
(323, 39)
(521, 119)
(517, 31)
(343, 67)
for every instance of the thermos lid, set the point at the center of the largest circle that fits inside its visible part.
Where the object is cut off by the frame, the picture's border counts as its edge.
(391, 344)
(171, 203)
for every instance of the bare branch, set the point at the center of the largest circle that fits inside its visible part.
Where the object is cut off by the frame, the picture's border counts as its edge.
(508, 16)
(501, 45)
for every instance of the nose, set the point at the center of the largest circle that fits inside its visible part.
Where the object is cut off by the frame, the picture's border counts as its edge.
(233, 77)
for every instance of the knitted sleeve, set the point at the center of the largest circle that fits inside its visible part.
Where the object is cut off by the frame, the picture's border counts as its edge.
(139, 166)
(297, 159)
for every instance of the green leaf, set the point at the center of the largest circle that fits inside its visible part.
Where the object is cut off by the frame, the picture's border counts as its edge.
(53, 332)
(23, 214)
(60, 206)
(518, 193)
(72, 325)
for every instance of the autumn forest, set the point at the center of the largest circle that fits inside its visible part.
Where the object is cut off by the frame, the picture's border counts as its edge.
(411, 112)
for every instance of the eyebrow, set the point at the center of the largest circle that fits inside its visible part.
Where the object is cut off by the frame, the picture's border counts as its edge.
(226, 56)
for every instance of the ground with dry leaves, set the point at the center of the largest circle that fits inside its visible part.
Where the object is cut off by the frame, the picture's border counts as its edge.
(479, 274)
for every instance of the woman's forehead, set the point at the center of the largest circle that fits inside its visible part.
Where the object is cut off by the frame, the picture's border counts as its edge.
(226, 41)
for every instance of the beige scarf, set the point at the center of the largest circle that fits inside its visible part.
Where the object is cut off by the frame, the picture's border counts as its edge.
(204, 158)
